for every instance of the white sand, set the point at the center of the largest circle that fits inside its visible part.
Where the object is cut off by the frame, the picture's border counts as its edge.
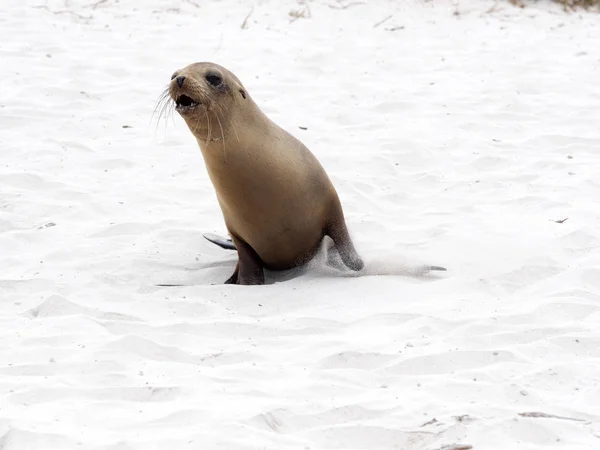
(456, 140)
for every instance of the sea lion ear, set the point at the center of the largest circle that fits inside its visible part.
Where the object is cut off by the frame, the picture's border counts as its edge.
(243, 93)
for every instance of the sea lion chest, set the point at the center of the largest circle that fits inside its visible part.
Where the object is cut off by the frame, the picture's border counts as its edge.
(273, 194)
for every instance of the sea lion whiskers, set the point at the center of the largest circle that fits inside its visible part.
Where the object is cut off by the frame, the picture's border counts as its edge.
(226, 113)
(196, 127)
(160, 100)
(222, 136)
(162, 103)
(163, 107)
(209, 137)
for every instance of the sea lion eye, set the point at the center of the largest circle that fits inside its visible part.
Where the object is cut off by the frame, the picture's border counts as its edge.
(214, 80)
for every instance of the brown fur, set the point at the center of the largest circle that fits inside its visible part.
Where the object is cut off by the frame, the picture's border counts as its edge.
(277, 200)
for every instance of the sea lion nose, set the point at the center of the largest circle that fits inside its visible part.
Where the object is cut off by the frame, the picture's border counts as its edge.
(180, 79)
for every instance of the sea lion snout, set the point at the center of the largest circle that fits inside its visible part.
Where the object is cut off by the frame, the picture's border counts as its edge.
(180, 79)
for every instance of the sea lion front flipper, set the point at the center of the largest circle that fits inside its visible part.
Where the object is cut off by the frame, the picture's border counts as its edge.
(249, 268)
(221, 241)
(234, 277)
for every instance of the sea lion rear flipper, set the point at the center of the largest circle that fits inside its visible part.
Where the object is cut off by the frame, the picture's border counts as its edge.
(221, 241)
(337, 231)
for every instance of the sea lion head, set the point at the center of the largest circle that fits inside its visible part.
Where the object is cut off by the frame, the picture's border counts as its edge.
(204, 95)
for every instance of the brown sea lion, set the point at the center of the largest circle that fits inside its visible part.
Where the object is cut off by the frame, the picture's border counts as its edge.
(277, 200)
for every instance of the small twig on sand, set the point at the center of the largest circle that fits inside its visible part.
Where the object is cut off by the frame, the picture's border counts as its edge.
(79, 16)
(190, 2)
(346, 6)
(430, 422)
(463, 418)
(382, 21)
(572, 5)
(561, 220)
(456, 447)
(300, 14)
(98, 3)
(245, 22)
(541, 415)
(493, 8)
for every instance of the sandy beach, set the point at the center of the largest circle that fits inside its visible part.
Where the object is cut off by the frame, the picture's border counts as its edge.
(462, 134)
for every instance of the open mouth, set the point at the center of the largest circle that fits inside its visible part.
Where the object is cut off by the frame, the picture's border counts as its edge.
(185, 103)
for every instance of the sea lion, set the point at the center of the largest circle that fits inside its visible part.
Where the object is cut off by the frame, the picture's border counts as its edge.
(277, 201)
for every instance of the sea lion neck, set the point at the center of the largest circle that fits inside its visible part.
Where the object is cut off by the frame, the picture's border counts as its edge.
(239, 125)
